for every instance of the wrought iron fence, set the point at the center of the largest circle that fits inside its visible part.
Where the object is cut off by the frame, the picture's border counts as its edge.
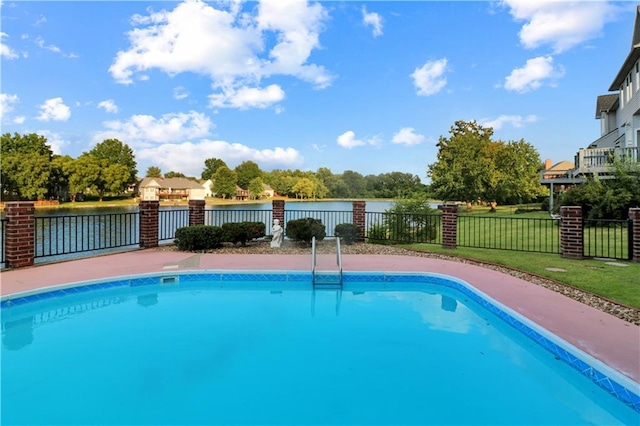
(539, 235)
(220, 217)
(65, 235)
(169, 221)
(329, 218)
(607, 238)
(403, 228)
(3, 238)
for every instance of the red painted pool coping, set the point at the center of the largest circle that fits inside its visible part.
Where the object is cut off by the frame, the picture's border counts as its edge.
(603, 336)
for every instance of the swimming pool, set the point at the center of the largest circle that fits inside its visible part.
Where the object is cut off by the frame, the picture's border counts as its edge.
(263, 348)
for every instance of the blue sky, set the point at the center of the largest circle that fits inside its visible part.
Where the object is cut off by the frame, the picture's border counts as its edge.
(289, 84)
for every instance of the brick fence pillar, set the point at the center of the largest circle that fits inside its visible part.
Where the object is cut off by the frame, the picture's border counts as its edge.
(277, 211)
(449, 225)
(149, 212)
(20, 243)
(634, 216)
(196, 212)
(359, 208)
(571, 232)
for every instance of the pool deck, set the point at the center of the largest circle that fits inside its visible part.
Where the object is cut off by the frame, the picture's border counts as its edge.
(605, 337)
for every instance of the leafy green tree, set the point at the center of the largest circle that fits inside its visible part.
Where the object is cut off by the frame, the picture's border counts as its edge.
(411, 220)
(246, 172)
(85, 174)
(114, 151)
(256, 188)
(281, 181)
(210, 167)
(59, 178)
(354, 183)
(304, 188)
(153, 172)
(224, 182)
(173, 174)
(25, 165)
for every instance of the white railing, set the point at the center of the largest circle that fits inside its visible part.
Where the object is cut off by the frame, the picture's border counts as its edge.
(600, 160)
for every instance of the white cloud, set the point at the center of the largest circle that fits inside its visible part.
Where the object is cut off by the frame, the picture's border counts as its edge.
(6, 103)
(348, 140)
(560, 24)
(247, 97)
(6, 51)
(54, 140)
(19, 119)
(54, 109)
(407, 136)
(374, 20)
(188, 157)
(236, 50)
(109, 106)
(180, 93)
(514, 120)
(531, 77)
(41, 20)
(429, 79)
(145, 129)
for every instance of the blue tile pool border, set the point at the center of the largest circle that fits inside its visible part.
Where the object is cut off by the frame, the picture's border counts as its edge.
(599, 373)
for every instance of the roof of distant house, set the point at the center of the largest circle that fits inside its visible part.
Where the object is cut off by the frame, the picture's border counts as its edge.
(560, 168)
(174, 183)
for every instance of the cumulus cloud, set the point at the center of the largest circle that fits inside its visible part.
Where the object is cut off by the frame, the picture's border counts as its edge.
(54, 140)
(19, 119)
(247, 97)
(6, 51)
(372, 19)
(6, 103)
(407, 136)
(348, 140)
(147, 129)
(188, 156)
(236, 49)
(54, 109)
(533, 75)
(109, 106)
(429, 79)
(560, 24)
(514, 120)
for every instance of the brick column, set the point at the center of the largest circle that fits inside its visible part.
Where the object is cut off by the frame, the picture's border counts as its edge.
(277, 211)
(149, 212)
(449, 226)
(196, 212)
(20, 242)
(359, 208)
(634, 216)
(571, 232)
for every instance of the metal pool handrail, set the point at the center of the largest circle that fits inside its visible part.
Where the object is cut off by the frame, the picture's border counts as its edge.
(313, 259)
(339, 258)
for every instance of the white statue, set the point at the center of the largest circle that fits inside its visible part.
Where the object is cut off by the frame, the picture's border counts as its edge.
(278, 234)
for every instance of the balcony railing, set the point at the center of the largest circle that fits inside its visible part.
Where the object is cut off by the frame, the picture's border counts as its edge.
(600, 160)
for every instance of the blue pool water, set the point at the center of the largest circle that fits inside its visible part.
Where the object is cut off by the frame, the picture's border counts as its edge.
(221, 348)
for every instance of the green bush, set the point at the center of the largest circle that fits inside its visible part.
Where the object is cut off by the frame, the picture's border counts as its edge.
(378, 234)
(305, 230)
(241, 232)
(348, 232)
(198, 237)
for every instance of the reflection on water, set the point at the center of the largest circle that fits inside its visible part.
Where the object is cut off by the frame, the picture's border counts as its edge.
(17, 334)
(448, 304)
(146, 300)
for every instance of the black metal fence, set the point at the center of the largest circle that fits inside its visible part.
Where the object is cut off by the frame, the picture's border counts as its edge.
(65, 235)
(406, 228)
(611, 239)
(3, 238)
(329, 218)
(506, 233)
(169, 221)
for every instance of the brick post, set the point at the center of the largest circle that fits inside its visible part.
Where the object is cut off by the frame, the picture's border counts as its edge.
(20, 243)
(634, 216)
(196, 212)
(449, 225)
(149, 212)
(277, 211)
(359, 208)
(571, 232)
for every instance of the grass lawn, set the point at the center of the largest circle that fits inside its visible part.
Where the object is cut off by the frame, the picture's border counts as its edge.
(617, 283)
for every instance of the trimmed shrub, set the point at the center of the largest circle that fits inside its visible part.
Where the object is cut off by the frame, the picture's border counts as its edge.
(241, 232)
(348, 232)
(378, 234)
(305, 230)
(198, 237)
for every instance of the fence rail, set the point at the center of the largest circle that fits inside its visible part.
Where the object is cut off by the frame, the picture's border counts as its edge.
(169, 221)
(329, 218)
(220, 217)
(403, 228)
(606, 238)
(504, 233)
(3, 238)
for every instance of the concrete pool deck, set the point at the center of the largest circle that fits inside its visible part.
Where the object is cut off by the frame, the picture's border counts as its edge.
(605, 337)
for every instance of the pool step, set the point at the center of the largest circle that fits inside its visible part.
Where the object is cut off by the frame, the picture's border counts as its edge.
(330, 280)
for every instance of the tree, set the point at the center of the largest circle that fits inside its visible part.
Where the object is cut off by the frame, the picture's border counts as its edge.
(115, 152)
(304, 188)
(84, 174)
(224, 182)
(211, 165)
(256, 188)
(173, 174)
(153, 172)
(246, 172)
(354, 182)
(25, 165)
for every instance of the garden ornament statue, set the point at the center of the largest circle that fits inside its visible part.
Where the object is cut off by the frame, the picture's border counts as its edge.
(278, 234)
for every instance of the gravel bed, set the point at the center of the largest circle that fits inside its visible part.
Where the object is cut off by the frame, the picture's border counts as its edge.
(623, 312)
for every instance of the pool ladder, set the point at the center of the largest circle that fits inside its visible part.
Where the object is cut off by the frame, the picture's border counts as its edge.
(326, 280)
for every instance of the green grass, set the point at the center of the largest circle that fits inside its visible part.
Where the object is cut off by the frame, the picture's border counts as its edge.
(617, 283)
